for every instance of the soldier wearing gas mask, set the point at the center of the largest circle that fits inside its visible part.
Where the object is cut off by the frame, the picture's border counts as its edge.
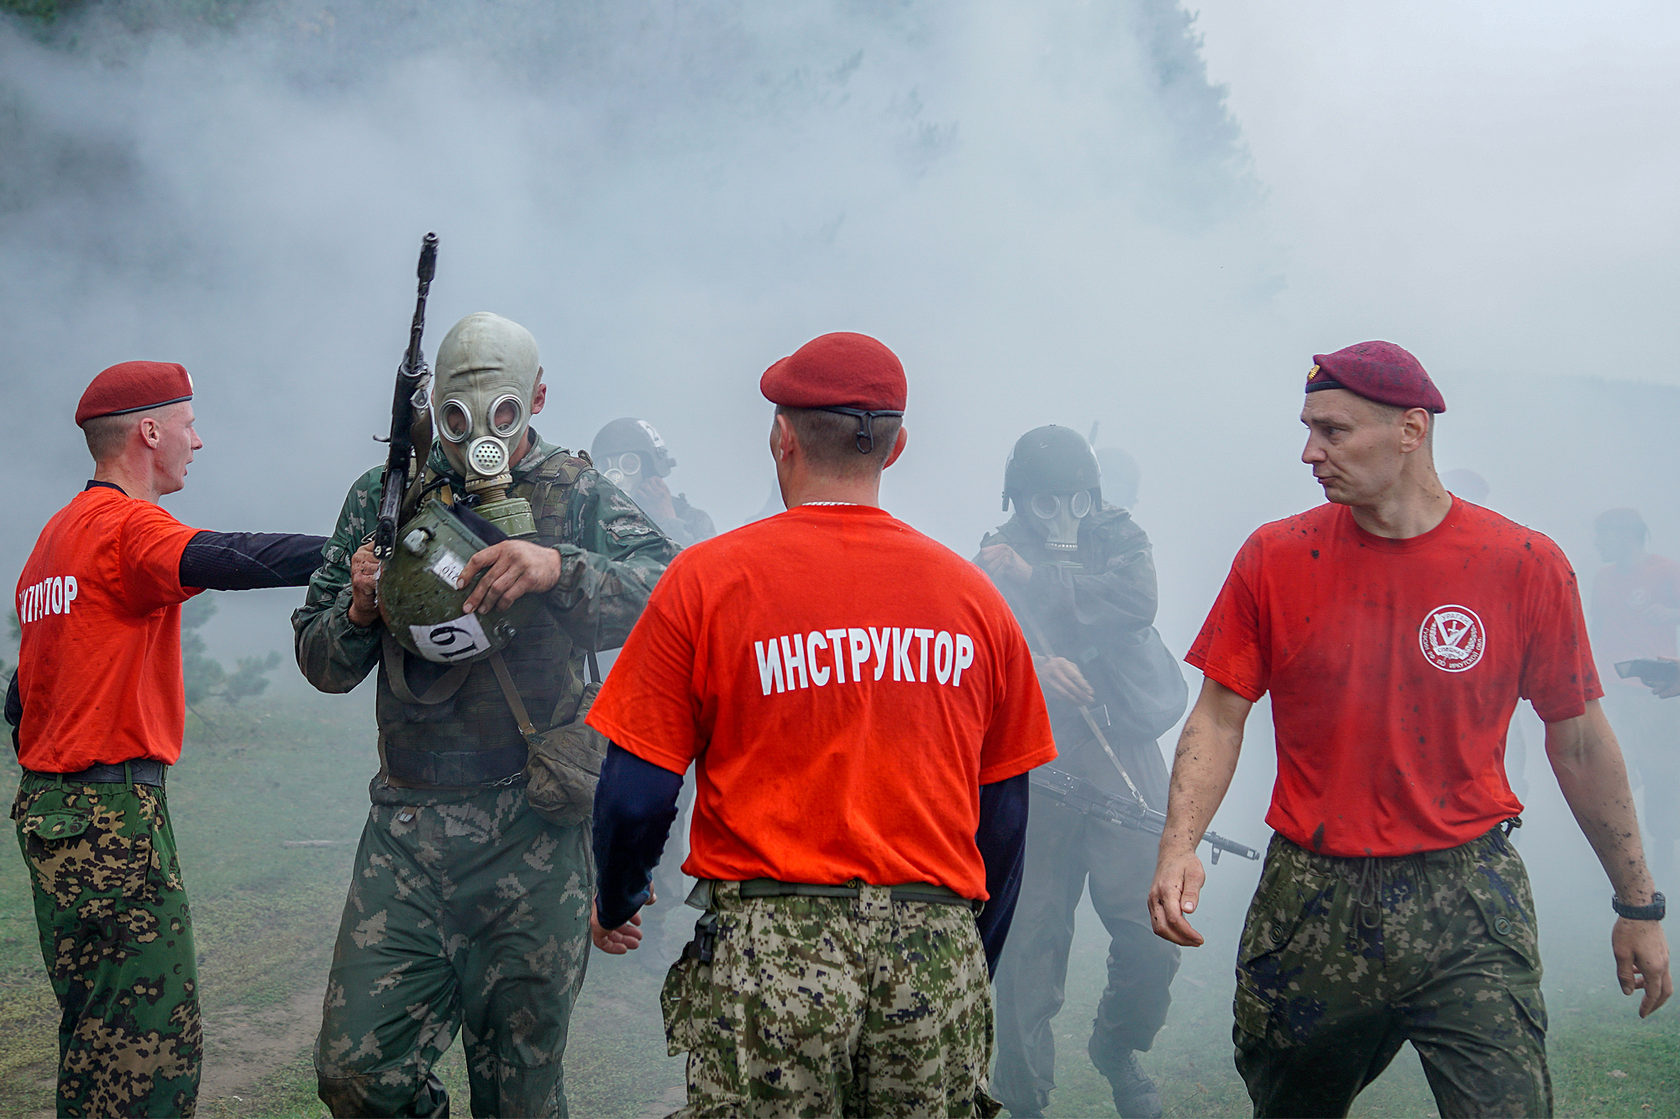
(467, 911)
(1081, 579)
(635, 459)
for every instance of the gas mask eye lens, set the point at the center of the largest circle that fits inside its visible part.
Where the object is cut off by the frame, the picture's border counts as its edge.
(506, 414)
(629, 463)
(455, 420)
(1048, 506)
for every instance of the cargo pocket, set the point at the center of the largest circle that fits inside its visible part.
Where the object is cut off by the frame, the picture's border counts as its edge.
(1271, 954)
(55, 826)
(683, 1001)
(49, 818)
(1503, 901)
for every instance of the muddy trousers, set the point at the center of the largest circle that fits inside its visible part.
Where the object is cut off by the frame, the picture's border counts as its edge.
(832, 1006)
(117, 941)
(1342, 961)
(1066, 852)
(472, 916)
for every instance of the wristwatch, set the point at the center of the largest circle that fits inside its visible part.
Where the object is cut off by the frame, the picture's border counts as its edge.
(1655, 911)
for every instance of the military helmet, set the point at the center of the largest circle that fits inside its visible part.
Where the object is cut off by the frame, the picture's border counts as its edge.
(1050, 459)
(420, 593)
(637, 437)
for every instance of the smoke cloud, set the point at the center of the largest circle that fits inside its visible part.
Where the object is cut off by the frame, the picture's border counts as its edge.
(1051, 212)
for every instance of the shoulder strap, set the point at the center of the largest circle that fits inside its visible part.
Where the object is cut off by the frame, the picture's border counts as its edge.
(561, 468)
(392, 656)
(515, 704)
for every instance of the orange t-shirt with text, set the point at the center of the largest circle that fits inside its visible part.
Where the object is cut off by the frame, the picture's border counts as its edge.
(844, 686)
(99, 665)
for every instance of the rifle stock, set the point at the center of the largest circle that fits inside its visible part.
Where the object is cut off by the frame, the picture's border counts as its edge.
(407, 398)
(1087, 799)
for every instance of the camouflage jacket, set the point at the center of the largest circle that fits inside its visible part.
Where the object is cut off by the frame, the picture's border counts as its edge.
(611, 556)
(1099, 612)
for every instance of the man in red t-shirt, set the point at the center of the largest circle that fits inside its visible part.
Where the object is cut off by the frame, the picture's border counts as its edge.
(1635, 612)
(1395, 628)
(861, 711)
(99, 708)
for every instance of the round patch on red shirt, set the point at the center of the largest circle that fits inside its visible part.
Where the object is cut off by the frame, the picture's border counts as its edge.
(1452, 638)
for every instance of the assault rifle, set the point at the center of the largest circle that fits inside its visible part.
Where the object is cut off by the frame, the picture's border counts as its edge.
(408, 399)
(1088, 800)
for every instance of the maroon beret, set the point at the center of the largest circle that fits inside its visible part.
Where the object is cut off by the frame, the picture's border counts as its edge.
(840, 370)
(134, 386)
(1379, 371)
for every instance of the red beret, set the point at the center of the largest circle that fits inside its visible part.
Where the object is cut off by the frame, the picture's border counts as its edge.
(1379, 371)
(837, 371)
(134, 386)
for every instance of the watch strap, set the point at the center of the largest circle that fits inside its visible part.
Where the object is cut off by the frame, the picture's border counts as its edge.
(1656, 910)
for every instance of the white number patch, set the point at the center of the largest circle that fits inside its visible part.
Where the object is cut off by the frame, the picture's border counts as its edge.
(456, 640)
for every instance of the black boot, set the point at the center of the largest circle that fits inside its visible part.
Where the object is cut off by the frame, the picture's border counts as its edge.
(1135, 1095)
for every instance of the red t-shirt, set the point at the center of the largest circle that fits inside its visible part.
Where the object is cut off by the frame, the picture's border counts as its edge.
(1624, 625)
(99, 667)
(844, 686)
(1394, 668)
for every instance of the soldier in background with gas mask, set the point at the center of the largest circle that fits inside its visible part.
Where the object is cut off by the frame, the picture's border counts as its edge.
(634, 458)
(468, 911)
(1081, 579)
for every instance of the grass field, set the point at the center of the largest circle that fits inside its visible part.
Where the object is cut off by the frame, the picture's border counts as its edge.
(268, 803)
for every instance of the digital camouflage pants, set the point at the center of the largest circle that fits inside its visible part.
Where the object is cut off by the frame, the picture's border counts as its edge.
(117, 941)
(469, 915)
(1344, 960)
(1066, 852)
(834, 1006)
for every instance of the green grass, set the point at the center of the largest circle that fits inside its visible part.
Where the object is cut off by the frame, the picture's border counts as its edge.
(262, 785)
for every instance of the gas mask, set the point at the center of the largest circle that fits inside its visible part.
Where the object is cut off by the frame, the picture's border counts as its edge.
(481, 408)
(1057, 516)
(486, 376)
(629, 452)
(623, 470)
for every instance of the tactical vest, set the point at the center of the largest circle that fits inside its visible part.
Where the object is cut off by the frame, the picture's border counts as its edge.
(450, 725)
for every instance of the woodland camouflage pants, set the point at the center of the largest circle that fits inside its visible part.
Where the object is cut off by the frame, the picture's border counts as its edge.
(469, 915)
(834, 1006)
(117, 941)
(1342, 961)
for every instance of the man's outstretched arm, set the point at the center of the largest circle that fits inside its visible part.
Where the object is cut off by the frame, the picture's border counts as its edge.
(1202, 767)
(1590, 771)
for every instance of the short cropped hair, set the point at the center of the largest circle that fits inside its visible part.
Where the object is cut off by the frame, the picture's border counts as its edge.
(1623, 520)
(1392, 413)
(830, 439)
(107, 435)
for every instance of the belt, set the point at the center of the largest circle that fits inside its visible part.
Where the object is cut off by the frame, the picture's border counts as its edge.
(455, 769)
(141, 771)
(914, 891)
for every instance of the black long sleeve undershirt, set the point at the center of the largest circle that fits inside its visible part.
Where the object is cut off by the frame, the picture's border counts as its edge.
(1002, 839)
(636, 802)
(243, 561)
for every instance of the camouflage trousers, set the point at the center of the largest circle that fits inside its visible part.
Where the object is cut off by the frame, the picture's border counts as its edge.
(117, 941)
(1344, 960)
(1067, 851)
(467, 915)
(833, 1006)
